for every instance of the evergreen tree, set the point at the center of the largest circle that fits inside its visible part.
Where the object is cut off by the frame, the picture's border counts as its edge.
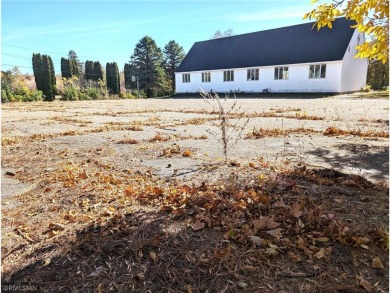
(173, 55)
(108, 76)
(97, 71)
(88, 70)
(37, 69)
(65, 68)
(52, 73)
(75, 64)
(147, 61)
(117, 83)
(128, 75)
(378, 74)
(112, 78)
(48, 87)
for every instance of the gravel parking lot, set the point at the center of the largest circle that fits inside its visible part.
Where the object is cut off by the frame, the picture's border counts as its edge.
(292, 132)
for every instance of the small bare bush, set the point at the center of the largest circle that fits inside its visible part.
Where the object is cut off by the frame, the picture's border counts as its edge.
(231, 130)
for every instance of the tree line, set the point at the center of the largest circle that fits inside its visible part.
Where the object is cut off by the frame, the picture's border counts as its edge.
(149, 70)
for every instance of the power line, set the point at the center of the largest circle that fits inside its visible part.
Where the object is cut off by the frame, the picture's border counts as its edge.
(16, 66)
(57, 53)
(16, 56)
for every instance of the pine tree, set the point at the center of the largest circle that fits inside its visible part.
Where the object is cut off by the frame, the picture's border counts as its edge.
(75, 64)
(147, 61)
(173, 55)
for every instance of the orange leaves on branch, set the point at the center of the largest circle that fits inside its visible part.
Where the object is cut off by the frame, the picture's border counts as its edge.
(372, 19)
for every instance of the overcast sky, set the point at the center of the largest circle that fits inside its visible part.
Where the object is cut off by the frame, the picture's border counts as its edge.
(107, 31)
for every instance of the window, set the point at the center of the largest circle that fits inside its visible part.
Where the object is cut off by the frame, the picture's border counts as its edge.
(317, 71)
(228, 75)
(252, 74)
(206, 76)
(186, 78)
(281, 73)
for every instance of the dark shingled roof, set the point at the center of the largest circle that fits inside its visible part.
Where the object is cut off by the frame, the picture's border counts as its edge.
(288, 45)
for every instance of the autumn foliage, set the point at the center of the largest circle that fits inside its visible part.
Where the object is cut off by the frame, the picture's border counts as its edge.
(372, 18)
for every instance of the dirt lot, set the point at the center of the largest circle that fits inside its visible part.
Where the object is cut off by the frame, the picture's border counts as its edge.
(136, 196)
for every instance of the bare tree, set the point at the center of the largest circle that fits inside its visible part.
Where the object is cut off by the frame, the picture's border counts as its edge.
(218, 34)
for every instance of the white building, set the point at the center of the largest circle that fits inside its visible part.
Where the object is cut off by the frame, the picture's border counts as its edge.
(290, 59)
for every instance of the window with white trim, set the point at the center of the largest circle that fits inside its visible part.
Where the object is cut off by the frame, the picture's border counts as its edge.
(317, 71)
(281, 72)
(252, 74)
(206, 77)
(228, 75)
(186, 77)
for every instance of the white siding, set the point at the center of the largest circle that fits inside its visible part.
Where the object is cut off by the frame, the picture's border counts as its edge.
(298, 80)
(354, 70)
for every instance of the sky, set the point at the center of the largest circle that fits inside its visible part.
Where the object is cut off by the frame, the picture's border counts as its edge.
(107, 31)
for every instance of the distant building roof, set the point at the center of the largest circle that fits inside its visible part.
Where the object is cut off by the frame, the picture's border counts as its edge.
(287, 45)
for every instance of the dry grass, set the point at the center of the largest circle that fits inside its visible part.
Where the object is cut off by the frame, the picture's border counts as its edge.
(128, 141)
(276, 132)
(334, 131)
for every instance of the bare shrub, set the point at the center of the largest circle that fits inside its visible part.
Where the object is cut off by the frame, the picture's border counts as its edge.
(230, 129)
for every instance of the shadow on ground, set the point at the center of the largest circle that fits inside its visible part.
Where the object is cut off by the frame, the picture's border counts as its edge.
(371, 159)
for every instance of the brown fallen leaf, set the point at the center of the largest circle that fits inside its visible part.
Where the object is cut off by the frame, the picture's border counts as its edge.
(280, 204)
(320, 254)
(129, 191)
(350, 183)
(56, 226)
(47, 262)
(198, 225)
(365, 284)
(322, 239)
(272, 250)
(293, 257)
(377, 263)
(295, 210)
(140, 276)
(153, 255)
(277, 233)
(229, 234)
(187, 153)
(265, 222)
(258, 241)
(271, 224)
(83, 175)
(260, 223)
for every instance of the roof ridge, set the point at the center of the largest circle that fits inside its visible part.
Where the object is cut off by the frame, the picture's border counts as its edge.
(266, 30)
